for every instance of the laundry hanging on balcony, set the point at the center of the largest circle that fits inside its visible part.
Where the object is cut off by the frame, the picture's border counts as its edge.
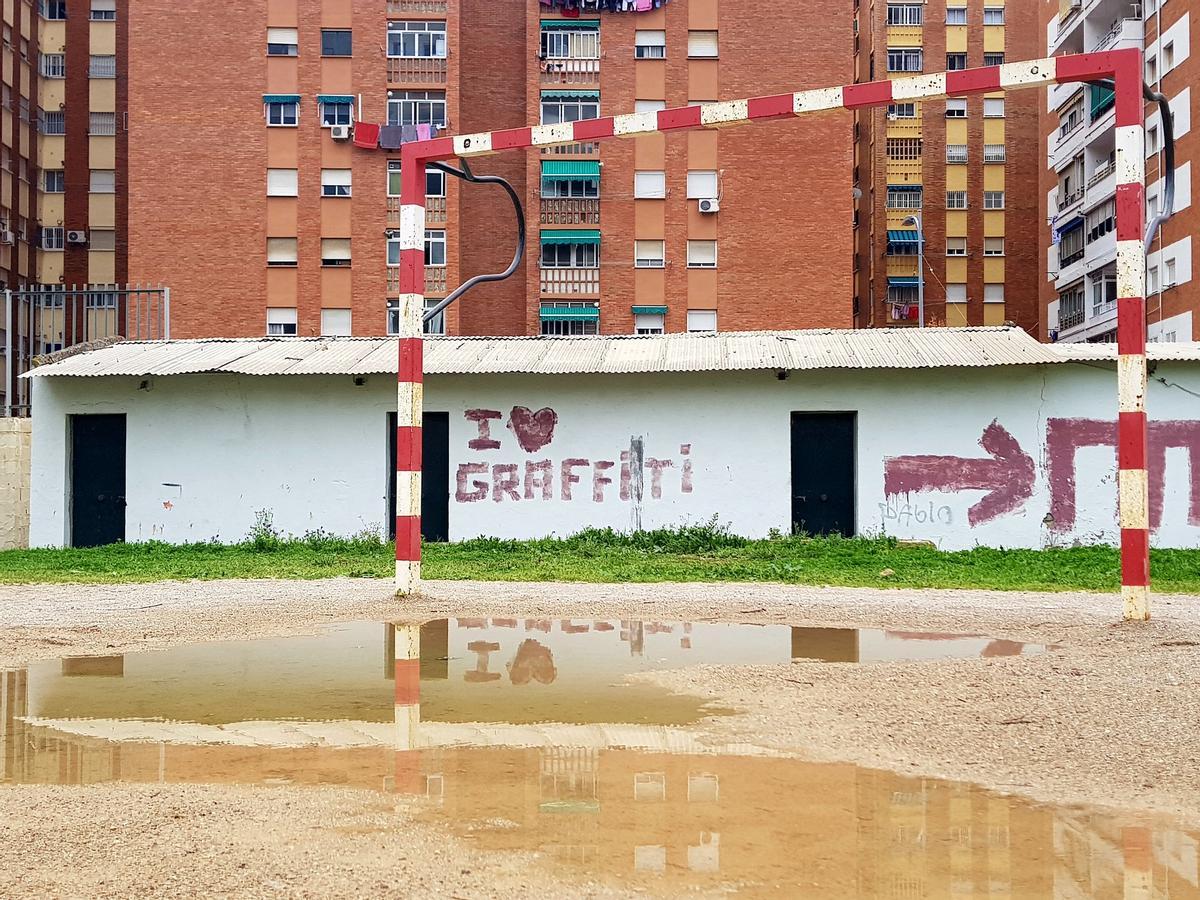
(571, 8)
(390, 137)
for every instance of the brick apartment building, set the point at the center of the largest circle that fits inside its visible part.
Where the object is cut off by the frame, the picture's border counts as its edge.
(1078, 242)
(965, 169)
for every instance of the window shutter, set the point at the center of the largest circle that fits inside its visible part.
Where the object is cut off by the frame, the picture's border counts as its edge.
(702, 43)
(281, 315)
(702, 320)
(335, 177)
(282, 183)
(281, 35)
(643, 38)
(993, 293)
(335, 248)
(281, 250)
(702, 253)
(956, 293)
(701, 184)
(335, 322)
(649, 185)
(104, 6)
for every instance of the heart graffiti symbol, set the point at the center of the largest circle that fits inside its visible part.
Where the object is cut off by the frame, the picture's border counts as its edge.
(534, 430)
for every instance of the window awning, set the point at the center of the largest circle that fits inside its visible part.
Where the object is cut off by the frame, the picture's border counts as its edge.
(570, 313)
(571, 236)
(571, 168)
(572, 24)
(649, 310)
(897, 236)
(1077, 222)
(562, 94)
(911, 188)
(902, 281)
(281, 98)
(335, 98)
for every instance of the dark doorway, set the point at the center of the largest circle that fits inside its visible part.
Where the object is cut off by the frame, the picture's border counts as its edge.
(435, 476)
(823, 473)
(97, 480)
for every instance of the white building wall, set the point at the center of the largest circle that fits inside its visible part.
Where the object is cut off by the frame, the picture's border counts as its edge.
(206, 451)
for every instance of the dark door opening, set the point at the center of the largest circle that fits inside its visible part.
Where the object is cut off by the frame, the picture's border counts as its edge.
(97, 480)
(823, 466)
(435, 476)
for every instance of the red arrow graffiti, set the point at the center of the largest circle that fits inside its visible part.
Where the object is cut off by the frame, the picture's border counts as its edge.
(1007, 476)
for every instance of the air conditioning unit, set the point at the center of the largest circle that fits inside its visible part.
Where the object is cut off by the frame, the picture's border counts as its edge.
(76, 237)
(709, 205)
(340, 132)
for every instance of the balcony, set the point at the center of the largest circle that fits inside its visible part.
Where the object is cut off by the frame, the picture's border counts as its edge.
(1125, 33)
(570, 281)
(572, 211)
(570, 71)
(435, 211)
(1070, 316)
(1102, 184)
(435, 280)
(403, 7)
(416, 70)
(587, 148)
(1068, 200)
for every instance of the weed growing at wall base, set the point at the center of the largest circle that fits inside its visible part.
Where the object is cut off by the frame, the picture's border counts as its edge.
(704, 552)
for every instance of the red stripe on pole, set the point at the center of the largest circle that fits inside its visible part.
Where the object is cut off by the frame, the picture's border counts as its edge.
(778, 106)
(408, 682)
(1131, 326)
(1135, 557)
(412, 272)
(1130, 102)
(437, 148)
(512, 138)
(408, 538)
(872, 93)
(409, 443)
(412, 357)
(972, 81)
(412, 177)
(1083, 66)
(679, 117)
(1132, 447)
(590, 129)
(1131, 212)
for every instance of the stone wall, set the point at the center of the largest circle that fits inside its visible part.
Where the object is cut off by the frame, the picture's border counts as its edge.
(14, 483)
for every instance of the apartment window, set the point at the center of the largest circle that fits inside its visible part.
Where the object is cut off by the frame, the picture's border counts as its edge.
(54, 181)
(1102, 220)
(335, 182)
(702, 44)
(1152, 280)
(649, 323)
(701, 184)
(903, 197)
(905, 14)
(993, 59)
(905, 59)
(417, 108)
(993, 246)
(903, 148)
(102, 123)
(1070, 307)
(956, 199)
(956, 15)
(956, 108)
(282, 183)
(103, 11)
(649, 44)
(102, 67)
(993, 15)
(1151, 69)
(993, 199)
(53, 122)
(956, 154)
(1104, 289)
(337, 112)
(52, 65)
(335, 322)
(1070, 244)
(1168, 53)
(902, 294)
(336, 42)
(993, 107)
(54, 10)
(53, 238)
(101, 300)
(993, 293)
(102, 239)
(994, 153)
(435, 247)
(649, 254)
(571, 43)
(281, 321)
(701, 320)
(579, 318)
(570, 256)
(902, 111)
(103, 181)
(956, 61)
(649, 185)
(1151, 140)
(417, 40)
(281, 251)
(645, 106)
(436, 325)
(956, 293)
(283, 42)
(570, 186)
(335, 252)
(435, 181)
(1071, 118)
(956, 246)
(1170, 272)
(558, 107)
(702, 254)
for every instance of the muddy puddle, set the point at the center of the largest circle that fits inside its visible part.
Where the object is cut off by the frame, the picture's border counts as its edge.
(521, 735)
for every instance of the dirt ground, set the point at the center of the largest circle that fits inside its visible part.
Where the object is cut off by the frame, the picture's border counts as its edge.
(1108, 719)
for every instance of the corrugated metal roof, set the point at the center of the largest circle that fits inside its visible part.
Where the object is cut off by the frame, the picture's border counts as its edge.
(896, 348)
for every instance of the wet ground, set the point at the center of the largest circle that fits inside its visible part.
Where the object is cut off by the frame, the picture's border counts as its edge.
(525, 735)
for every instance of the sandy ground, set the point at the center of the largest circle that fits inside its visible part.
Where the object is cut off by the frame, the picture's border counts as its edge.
(1109, 719)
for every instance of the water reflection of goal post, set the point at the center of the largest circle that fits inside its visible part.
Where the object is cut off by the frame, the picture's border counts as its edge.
(1122, 67)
